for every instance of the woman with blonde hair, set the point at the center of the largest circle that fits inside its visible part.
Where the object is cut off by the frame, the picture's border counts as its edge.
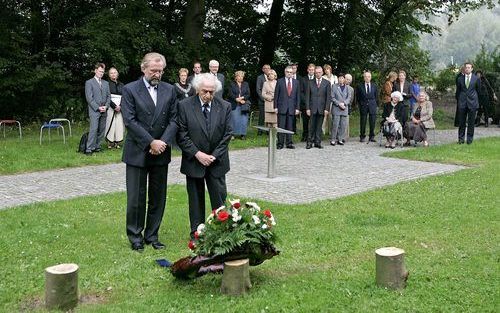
(421, 120)
(333, 79)
(271, 117)
(183, 89)
(239, 95)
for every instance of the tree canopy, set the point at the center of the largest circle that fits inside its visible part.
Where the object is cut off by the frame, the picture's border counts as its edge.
(48, 48)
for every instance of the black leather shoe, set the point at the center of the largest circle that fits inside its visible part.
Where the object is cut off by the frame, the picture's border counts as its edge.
(279, 147)
(88, 153)
(308, 146)
(362, 139)
(137, 246)
(340, 143)
(97, 150)
(460, 142)
(469, 142)
(332, 143)
(372, 140)
(157, 245)
(290, 146)
(319, 146)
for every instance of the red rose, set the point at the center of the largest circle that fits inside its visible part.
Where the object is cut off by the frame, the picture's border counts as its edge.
(222, 216)
(268, 213)
(191, 245)
(196, 235)
(237, 205)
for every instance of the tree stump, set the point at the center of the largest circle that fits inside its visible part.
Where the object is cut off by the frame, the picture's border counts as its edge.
(236, 277)
(390, 268)
(61, 286)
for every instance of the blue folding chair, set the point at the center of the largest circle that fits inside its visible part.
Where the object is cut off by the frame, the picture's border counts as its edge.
(49, 126)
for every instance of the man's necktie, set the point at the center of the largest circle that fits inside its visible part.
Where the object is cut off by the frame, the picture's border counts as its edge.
(289, 87)
(367, 88)
(206, 113)
(467, 81)
(318, 82)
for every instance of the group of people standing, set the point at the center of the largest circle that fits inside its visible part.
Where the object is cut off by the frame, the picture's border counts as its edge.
(104, 108)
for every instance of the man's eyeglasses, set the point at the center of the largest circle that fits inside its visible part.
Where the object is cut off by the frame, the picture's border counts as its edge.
(208, 91)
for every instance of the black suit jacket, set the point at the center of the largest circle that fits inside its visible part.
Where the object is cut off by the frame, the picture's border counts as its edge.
(284, 103)
(146, 122)
(468, 97)
(369, 99)
(235, 92)
(193, 136)
(318, 99)
(398, 112)
(406, 89)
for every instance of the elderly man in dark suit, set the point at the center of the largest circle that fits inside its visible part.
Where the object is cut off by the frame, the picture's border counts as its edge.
(261, 79)
(98, 99)
(318, 99)
(468, 88)
(286, 104)
(367, 95)
(149, 109)
(204, 123)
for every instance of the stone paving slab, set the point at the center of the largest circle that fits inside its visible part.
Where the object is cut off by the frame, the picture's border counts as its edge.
(311, 175)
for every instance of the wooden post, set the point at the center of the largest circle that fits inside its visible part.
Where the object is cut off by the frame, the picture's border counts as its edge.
(61, 286)
(236, 277)
(390, 268)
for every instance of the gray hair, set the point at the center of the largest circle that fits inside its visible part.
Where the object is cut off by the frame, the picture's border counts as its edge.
(152, 56)
(213, 63)
(397, 94)
(198, 80)
(425, 94)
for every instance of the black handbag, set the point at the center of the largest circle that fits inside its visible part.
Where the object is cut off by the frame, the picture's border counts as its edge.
(245, 108)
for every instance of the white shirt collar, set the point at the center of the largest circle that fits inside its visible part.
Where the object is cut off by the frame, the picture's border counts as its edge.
(209, 103)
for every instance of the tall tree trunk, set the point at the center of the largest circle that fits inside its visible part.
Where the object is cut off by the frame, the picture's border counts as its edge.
(193, 26)
(346, 50)
(271, 33)
(37, 27)
(304, 35)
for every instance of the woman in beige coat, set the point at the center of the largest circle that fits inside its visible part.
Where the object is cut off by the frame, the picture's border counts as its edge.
(421, 120)
(271, 117)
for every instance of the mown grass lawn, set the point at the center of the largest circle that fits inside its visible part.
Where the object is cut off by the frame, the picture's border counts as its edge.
(448, 225)
(27, 155)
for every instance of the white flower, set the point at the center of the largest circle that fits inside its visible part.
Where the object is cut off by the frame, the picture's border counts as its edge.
(236, 216)
(200, 228)
(253, 205)
(219, 209)
(272, 221)
(256, 219)
(264, 226)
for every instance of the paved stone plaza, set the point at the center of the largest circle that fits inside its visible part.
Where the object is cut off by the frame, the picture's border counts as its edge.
(305, 175)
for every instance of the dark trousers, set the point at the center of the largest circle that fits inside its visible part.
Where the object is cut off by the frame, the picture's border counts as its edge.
(466, 116)
(285, 121)
(305, 124)
(196, 195)
(364, 112)
(261, 115)
(315, 123)
(155, 178)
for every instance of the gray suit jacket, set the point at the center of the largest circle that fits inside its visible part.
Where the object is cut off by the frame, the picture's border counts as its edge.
(193, 136)
(146, 122)
(96, 95)
(221, 78)
(260, 83)
(340, 96)
(318, 99)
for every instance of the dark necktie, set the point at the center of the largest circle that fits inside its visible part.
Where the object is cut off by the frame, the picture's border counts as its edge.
(289, 87)
(206, 113)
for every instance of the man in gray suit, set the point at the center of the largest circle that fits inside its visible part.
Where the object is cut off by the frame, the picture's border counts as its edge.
(261, 79)
(213, 66)
(149, 108)
(318, 98)
(342, 95)
(468, 88)
(98, 99)
(204, 123)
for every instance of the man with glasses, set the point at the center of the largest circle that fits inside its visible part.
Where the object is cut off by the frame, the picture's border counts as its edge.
(204, 123)
(149, 108)
(286, 104)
